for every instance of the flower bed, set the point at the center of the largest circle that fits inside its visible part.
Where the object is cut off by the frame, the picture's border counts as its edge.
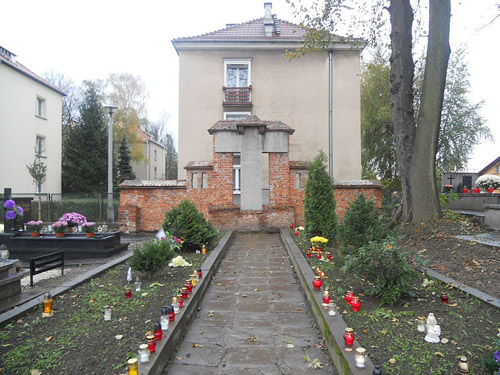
(389, 333)
(77, 338)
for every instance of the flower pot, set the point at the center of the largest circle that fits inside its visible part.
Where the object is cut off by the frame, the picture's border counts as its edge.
(90, 235)
(35, 234)
(59, 235)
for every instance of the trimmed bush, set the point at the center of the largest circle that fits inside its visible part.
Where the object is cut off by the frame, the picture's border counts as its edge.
(152, 255)
(385, 268)
(319, 203)
(186, 223)
(361, 225)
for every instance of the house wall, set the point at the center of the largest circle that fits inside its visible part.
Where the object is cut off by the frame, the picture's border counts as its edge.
(494, 169)
(145, 169)
(295, 92)
(19, 127)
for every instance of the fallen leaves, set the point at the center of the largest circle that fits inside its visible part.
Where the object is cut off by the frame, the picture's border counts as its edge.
(196, 345)
(118, 337)
(48, 338)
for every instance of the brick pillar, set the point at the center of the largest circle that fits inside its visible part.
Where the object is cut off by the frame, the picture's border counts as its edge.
(279, 182)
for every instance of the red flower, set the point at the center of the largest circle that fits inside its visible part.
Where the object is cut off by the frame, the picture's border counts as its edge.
(291, 226)
(296, 233)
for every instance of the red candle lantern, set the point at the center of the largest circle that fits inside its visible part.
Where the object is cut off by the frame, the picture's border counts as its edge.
(158, 334)
(317, 282)
(200, 273)
(180, 300)
(490, 190)
(291, 226)
(296, 233)
(189, 286)
(444, 297)
(465, 189)
(318, 255)
(151, 343)
(326, 297)
(348, 297)
(128, 293)
(171, 313)
(184, 292)
(309, 254)
(329, 256)
(349, 338)
(355, 303)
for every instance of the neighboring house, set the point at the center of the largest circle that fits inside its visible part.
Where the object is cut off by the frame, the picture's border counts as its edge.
(492, 168)
(152, 167)
(30, 126)
(249, 122)
(242, 70)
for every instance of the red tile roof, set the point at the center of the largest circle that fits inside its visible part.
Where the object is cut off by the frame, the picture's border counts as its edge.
(250, 31)
(21, 68)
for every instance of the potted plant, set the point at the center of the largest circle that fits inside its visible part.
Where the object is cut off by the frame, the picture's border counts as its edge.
(12, 212)
(34, 227)
(74, 219)
(60, 227)
(89, 228)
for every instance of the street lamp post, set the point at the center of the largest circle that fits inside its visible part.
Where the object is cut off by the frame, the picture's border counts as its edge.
(110, 210)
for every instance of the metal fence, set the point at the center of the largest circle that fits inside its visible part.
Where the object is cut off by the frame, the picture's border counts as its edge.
(53, 205)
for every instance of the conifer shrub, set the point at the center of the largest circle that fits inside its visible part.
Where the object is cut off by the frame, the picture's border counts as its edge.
(319, 202)
(185, 222)
(361, 225)
(151, 255)
(385, 268)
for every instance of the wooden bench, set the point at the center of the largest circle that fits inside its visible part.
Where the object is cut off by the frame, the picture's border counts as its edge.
(46, 263)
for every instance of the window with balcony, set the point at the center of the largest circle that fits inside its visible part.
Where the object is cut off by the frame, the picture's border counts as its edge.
(237, 82)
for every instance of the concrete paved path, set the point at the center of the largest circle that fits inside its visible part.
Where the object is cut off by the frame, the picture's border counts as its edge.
(251, 311)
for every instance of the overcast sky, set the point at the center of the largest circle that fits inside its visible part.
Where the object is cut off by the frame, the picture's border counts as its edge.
(89, 39)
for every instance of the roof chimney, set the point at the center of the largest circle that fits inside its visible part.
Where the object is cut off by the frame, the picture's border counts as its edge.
(268, 19)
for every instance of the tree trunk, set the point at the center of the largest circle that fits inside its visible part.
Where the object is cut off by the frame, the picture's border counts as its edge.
(401, 95)
(424, 192)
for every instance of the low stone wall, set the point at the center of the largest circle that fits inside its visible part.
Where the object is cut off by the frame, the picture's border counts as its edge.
(347, 191)
(492, 216)
(472, 202)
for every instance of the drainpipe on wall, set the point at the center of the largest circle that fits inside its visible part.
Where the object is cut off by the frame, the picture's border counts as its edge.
(148, 164)
(330, 114)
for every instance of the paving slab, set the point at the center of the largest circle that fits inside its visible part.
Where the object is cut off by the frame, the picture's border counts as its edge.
(251, 310)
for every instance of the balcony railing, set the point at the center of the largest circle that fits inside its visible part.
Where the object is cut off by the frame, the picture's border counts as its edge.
(237, 95)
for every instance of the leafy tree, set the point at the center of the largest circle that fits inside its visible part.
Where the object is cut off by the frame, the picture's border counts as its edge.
(416, 139)
(158, 130)
(85, 157)
(319, 202)
(461, 124)
(125, 171)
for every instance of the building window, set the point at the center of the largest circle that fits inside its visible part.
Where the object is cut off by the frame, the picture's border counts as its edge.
(194, 181)
(155, 173)
(237, 81)
(204, 180)
(155, 153)
(498, 168)
(236, 115)
(40, 107)
(40, 146)
(236, 174)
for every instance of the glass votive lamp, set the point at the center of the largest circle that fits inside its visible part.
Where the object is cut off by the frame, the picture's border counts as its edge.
(164, 318)
(349, 338)
(175, 305)
(106, 311)
(203, 250)
(144, 354)
(421, 323)
(326, 298)
(171, 313)
(157, 332)
(193, 280)
(331, 308)
(348, 296)
(133, 366)
(180, 300)
(200, 273)
(356, 304)
(184, 292)
(151, 343)
(376, 370)
(317, 282)
(360, 357)
(189, 286)
(138, 285)
(128, 292)
(463, 366)
(47, 305)
(444, 297)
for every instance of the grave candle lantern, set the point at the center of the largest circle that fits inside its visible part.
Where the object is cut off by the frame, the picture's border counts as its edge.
(376, 371)
(184, 292)
(348, 297)
(143, 353)
(138, 285)
(200, 273)
(164, 318)
(329, 256)
(421, 324)
(309, 254)
(151, 343)
(128, 292)
(326, 298)
(356, 304)
(444, 297)
(106, 310)
(175, 305)
(318, 255)
(47, 305)
(203, 250)
(133, 367)
(189, 286)
(360, 357)
(157, 331)
(171, 313)
(180, 300)
(331, 308)
(463, 366)
(349, 338)
(194, 281)
(317, 282)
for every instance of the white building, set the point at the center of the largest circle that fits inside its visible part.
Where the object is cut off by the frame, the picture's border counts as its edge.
(30, 127)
